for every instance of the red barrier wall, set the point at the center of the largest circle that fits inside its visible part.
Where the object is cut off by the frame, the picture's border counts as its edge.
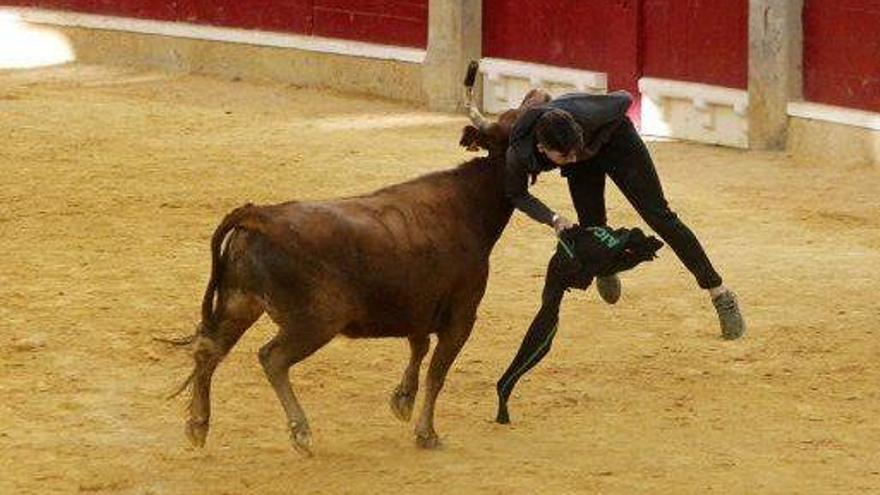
(291, 16)
(597, 35)
(127, 8)
(692, 40)
(705, 41)
(842, 53)
(394, 22)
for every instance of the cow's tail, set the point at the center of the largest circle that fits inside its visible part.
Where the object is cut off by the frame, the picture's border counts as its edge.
(230, 222)
(207, 325)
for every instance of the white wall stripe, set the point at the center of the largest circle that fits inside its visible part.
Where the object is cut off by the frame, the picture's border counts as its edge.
(212, 33)
(837, 115)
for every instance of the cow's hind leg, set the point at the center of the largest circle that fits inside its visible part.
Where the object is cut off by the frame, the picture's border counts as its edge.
(236, 313)
(289, 347)
(449, 343)
(404, 396)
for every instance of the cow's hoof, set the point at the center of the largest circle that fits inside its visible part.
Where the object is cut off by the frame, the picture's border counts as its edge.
(402, 404)
(427, 440)
(301, 438)
(197, 432)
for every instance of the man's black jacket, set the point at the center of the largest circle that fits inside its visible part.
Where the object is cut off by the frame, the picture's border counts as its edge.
(598, 116)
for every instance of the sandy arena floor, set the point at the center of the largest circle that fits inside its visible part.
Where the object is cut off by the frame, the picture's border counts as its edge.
(113, 180)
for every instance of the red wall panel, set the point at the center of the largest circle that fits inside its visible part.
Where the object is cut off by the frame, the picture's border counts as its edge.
(598, 35)
(692, 40)
(49, 4)
(842, 53)
(703, 41)
(130, 8)
(395, 22)
(127, 8)
(554, 32)
(166, 11)
(291, 16)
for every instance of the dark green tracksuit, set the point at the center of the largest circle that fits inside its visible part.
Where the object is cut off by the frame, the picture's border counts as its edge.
(583, 253)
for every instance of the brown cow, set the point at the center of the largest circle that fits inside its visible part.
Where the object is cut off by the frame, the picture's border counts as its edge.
(405, 261)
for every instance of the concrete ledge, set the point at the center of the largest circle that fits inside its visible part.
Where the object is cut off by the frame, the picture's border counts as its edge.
(505, 82)
(696, 112)
(364, 68)
(828, 134)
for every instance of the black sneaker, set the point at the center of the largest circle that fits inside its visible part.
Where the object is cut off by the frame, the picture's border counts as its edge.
(732, 324)
(609, 288)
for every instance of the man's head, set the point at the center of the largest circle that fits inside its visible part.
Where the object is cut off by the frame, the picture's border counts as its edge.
(558, 136)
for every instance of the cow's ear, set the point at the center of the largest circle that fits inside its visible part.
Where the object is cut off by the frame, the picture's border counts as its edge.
(470, 138)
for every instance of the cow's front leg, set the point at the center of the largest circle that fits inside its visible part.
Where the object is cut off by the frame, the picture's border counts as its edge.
(449, 343)
(404, 396)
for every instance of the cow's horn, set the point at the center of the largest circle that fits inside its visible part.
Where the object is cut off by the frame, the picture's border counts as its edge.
(476, 117)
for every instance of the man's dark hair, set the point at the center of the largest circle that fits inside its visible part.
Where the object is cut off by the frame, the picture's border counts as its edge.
(557, 130)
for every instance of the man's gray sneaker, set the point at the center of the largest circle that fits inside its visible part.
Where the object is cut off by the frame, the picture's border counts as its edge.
(609, 288)
(732, 324)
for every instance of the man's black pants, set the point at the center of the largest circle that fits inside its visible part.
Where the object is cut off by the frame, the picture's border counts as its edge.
(626, 160)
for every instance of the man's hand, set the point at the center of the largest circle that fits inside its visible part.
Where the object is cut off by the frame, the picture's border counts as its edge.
(561, 223)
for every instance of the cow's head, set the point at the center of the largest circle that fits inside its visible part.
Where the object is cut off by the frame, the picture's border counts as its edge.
(490, 136)
(495, 136)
